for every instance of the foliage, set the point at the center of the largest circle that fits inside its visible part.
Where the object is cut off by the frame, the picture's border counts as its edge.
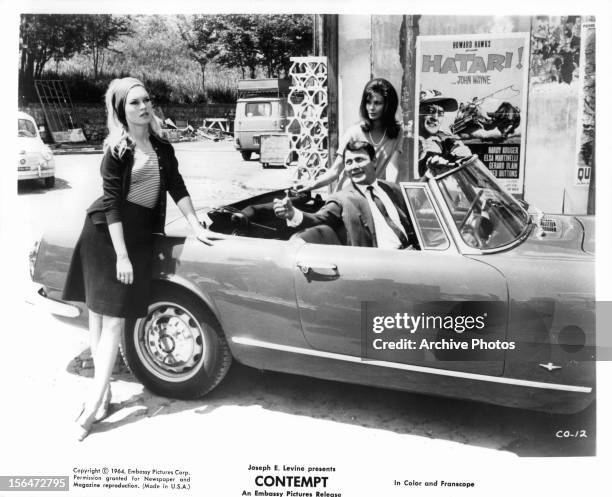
(199, 58)
(247, 41)
(238, 43)
(44, 37)
(99, 31)
(81, 86)
(201, 34)
(222, 93)
(281, 37)
(84, 89)
(268, 41)
(41, 39)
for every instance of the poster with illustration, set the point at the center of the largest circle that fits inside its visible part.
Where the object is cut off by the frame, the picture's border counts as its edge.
(472, 99)
(586, 107)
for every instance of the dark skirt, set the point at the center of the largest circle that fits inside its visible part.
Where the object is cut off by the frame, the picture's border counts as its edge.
(92, 276)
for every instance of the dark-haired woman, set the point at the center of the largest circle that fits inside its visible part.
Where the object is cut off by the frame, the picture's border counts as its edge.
(379, 127)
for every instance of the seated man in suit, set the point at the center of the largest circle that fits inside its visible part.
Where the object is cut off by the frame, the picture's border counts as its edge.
(371, 211)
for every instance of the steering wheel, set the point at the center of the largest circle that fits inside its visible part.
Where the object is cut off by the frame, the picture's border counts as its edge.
(470, 209)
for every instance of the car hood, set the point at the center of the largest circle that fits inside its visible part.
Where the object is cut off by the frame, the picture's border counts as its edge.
(560, 237)
(588, 224)
(30, 145)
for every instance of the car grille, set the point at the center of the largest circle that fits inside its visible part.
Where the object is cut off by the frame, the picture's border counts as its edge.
(549, 224)
(32, 161)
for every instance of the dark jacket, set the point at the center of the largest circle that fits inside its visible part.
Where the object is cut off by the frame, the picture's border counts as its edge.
(116, 176)
(348, 212)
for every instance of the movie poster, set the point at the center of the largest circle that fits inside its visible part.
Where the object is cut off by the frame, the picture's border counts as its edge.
(586, 136)
(481, 83)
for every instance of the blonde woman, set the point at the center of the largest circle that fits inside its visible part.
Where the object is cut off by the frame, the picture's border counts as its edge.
(111, 266)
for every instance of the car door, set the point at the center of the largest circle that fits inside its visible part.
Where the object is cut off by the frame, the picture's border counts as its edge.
(341, 289)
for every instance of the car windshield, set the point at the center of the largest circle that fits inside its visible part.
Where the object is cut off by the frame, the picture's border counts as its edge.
(25, 127)
(486, 216)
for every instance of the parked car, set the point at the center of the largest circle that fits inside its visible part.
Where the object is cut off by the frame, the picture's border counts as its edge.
(289, 300)
(262, 109)
(35, 159)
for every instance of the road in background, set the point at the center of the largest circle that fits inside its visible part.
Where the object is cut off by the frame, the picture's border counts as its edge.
(214, 173)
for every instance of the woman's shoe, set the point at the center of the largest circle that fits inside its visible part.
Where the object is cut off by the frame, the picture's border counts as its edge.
(83, 426)
(104, 409)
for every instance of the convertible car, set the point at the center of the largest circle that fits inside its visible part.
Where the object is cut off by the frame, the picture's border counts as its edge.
(520, 285)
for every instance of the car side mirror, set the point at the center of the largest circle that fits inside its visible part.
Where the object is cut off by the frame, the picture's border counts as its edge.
(524, 205)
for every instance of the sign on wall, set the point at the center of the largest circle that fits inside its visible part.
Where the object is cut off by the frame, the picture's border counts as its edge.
(586, 108)
(274, 149)
(473, 90)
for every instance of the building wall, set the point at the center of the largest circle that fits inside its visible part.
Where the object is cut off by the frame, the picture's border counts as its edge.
(551, 150)
(371, 46)
(368, 48)
(354, 69)
(386, 62)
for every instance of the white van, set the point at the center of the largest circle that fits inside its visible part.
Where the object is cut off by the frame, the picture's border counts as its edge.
(261, 109)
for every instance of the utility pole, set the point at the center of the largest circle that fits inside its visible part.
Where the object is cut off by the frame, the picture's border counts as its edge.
(408, 34)
(327, 36)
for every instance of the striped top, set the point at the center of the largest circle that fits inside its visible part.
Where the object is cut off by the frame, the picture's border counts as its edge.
(144, 183)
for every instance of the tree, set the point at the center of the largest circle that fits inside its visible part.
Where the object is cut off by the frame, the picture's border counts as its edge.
(202, 34)
(247, 41)
(99, 31)
(238, 43)
(280, 37)
(44, 37)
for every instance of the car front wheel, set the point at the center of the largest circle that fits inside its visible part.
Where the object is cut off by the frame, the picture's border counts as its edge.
(246, 154)
(50, 182)
(178, 350)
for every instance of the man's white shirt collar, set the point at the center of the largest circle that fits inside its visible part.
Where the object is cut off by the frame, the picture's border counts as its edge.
(364, 188)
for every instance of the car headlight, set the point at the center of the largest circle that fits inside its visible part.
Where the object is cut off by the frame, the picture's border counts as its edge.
(32, 257)
(47, 155)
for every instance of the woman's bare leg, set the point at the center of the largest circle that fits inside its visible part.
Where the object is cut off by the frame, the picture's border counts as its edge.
(95, 331)
(105, 356)
(104, 360)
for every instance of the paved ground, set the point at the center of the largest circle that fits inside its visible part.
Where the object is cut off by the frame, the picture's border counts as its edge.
(252, 417)
(214, 173)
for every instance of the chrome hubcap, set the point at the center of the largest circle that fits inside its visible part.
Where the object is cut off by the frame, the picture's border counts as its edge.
(170, 342)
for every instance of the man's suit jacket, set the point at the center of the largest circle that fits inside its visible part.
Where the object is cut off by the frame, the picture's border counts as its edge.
(348, 213)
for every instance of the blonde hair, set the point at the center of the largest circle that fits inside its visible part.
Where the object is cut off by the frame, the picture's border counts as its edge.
(118, 139)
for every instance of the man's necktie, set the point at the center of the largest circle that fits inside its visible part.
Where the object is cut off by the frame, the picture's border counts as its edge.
(381, 207)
